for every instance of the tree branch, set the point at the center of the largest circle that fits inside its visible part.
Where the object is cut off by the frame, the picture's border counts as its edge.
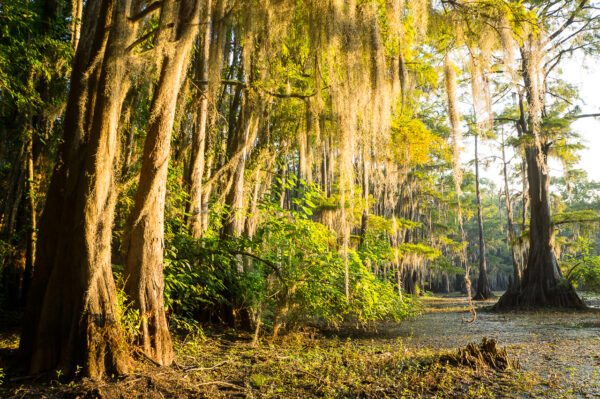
(568, 21)
(146, 11)
(258, 258)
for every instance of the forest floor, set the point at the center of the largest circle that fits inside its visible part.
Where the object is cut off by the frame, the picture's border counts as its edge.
(558, 354)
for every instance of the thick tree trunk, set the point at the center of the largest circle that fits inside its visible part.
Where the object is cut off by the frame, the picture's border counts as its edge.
(72, 319)
(542, 283)
(483, 291)
(144, 240)
(411, 283)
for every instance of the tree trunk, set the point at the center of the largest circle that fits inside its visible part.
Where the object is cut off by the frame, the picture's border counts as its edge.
(483, 291)
(72, 318)
(197, 157)
(364, 220)
(76, 13)
(245, 133)
(516, 280)
(305, 139)
(30, 226)
(542, 283)
(206, 193)
(144, 239)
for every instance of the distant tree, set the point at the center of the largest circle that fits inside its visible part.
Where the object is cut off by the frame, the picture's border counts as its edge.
(482, 290)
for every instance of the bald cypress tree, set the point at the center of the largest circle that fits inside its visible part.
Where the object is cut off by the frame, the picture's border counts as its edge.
(143, 244)
(72, 320)
(542, 283)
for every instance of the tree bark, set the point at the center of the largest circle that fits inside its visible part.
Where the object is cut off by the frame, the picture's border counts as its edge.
(72, 318)
(30, 225)
(516, 281)
(144, 239)
(197, 157)
(76, 13)
(542, 284)
(483, 291)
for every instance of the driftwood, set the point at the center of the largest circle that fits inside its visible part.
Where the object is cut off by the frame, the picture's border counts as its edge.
(481, 356)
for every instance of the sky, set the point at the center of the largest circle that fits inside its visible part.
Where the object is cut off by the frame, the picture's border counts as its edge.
(588, 80)
(585, 73)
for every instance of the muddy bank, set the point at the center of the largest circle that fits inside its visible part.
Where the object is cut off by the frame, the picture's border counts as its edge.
(557, 352)
(562, 348)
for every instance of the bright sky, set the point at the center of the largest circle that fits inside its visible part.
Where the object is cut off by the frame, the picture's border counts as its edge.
(585, 74)
(588, 79)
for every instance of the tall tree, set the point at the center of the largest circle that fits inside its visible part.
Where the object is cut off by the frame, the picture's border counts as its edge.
(564, 27)
(197, 156)
(483, 290)
(144, 237)
(72, 319)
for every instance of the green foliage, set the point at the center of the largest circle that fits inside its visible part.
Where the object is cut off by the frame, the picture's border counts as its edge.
(196, 273)
(307, 270)
(584, 216)
(131, 320)
(422, 250)
(30, 49)
(291, 271)
(444, 264)
(583, 265)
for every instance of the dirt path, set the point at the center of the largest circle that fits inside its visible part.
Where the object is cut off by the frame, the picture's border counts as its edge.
(560, 349)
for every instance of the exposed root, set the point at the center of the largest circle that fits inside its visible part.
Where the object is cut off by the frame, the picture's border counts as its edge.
(563, 296)
(482, 356)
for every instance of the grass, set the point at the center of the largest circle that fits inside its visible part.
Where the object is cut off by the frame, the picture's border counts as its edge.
(301, 366)
(298, 365)
(223, 364)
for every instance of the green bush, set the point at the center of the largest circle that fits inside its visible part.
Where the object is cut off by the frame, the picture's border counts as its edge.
(292, 271)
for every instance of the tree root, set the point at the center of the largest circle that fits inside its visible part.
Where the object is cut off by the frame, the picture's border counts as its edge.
(563, 296)
(483, 356)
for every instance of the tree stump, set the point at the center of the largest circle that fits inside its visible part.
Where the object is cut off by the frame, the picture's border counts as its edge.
(481, 356)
